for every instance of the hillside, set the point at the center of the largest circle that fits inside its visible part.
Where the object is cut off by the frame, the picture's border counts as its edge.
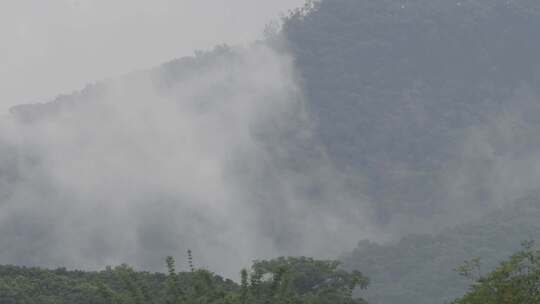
(422, 268)
(423, 110)
(430, 107)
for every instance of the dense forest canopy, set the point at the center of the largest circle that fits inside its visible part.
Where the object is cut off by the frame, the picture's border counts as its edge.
(283, 280)
(426, 103)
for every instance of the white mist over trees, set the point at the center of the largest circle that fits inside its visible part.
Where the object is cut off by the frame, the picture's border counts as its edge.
(55, 46)
(201, 153)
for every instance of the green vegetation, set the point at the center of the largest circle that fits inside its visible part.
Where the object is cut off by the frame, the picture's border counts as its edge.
(515, 281)
(280, 281)
(283, 280)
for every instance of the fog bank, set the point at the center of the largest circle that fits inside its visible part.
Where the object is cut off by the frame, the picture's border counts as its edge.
(214, 154)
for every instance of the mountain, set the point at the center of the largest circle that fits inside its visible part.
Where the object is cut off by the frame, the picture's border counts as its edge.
(427, 110)
(431, 107)
(358, 119)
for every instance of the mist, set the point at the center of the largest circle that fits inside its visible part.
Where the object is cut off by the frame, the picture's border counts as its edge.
(57, 46)
(219, 154)
(135, 169)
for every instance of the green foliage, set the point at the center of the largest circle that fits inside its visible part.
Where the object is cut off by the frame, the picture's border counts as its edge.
(280, 281)
(515, 281)
(301, 280)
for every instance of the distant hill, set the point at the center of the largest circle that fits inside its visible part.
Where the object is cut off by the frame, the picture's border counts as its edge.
(420, 269)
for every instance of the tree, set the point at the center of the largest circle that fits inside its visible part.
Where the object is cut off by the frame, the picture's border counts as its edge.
(303, 280)
(515, 281)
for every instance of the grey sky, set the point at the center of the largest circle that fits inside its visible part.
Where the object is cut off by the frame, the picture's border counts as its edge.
(49, 47)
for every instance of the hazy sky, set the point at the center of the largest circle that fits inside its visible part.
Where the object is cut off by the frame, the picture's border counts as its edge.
(48, 47)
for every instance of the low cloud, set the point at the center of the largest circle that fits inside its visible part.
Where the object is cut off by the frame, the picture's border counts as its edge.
(214, 153)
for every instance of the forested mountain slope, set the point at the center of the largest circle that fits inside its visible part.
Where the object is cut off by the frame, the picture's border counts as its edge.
(429, 106)
(191, 153)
